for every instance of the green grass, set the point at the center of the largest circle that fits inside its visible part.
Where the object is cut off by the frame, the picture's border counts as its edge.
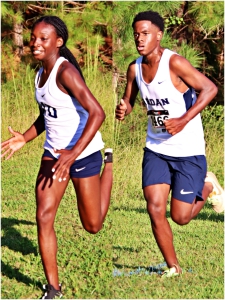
(84, 260)
(126, 243)
(199, 245)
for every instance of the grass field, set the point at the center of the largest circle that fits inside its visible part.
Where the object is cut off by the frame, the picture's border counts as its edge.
(113, 264)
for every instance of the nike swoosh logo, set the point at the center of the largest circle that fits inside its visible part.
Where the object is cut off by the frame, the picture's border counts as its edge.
(42, 95)
(159, 82)
(78, 170)
(185, 193)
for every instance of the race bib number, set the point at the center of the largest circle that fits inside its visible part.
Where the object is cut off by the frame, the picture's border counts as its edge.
(157, 118)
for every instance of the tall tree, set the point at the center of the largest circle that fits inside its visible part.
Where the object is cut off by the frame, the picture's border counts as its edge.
(194, 29)
(89, 24)
(12, 15)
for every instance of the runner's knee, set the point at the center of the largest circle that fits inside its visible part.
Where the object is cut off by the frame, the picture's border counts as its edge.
(181, 219)
(92, 227)
(156, 212)
(45, 216)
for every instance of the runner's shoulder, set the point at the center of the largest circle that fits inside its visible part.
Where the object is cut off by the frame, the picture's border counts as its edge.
(131, 69)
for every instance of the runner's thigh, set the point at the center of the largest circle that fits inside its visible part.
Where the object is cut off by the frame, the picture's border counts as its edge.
(49, 192)
(155, 169)
(88, 198)
(188, 179)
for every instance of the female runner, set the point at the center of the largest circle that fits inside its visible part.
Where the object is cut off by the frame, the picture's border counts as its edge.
(71, 117)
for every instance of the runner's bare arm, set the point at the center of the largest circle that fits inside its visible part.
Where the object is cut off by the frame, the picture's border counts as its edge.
(13, 144)
(182, 70)
(71, 80)
(130, 94)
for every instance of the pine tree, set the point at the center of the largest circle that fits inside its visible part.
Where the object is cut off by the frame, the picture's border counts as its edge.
(194, 29)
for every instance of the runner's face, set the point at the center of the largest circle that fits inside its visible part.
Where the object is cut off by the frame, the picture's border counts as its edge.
(147, 37)
(44, 42)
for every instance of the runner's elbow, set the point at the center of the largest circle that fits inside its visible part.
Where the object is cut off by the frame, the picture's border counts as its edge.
(213, 90)
(101, 116)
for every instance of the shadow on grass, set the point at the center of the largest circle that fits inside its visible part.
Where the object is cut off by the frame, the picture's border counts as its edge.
(13, 273)
(137, 210)
(126, 270)
(130, 267)
(16, 242)
(203, 215)
(214, 217)
(124, 266)
(13, 239)
(128, 249)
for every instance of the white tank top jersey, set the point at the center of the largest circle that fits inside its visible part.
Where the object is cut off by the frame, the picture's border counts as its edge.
(163, 101)
(64, 117)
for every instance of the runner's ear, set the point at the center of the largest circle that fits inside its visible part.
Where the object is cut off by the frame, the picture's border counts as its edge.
(159, 35)
(59, 42)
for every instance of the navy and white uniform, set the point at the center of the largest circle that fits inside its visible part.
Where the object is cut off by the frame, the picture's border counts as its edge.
(177, 160)
(64, 116)
(164, 101)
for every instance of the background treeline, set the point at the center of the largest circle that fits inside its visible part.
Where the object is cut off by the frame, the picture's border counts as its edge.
(195, 29)
(92, 266)
(89, 25)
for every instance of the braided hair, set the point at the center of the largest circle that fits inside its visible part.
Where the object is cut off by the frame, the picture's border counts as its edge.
(61, 31)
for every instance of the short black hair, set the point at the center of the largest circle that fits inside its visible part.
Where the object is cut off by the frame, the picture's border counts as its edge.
(152, 16)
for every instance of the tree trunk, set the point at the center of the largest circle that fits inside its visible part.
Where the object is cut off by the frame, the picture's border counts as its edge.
(18, 39)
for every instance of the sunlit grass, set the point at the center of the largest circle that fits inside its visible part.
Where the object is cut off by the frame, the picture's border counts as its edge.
(87, 262)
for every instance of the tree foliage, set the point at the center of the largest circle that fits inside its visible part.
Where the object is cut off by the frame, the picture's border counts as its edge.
(89, 24)
(194, 29)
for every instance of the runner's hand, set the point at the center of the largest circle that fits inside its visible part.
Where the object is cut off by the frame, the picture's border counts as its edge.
(61, 168)
(13, 144)
(175, 125)
(121, 110)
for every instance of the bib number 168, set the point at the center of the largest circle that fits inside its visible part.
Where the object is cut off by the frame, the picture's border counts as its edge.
(157, 118)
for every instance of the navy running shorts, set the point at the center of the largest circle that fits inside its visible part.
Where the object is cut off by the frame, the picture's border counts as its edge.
(84, 167)
(185, 175)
